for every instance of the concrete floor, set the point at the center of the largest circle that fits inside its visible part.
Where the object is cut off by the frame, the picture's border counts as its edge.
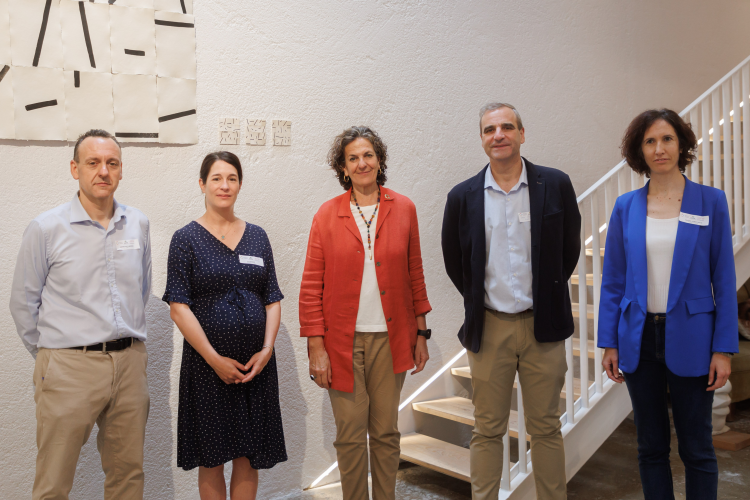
(611, 474)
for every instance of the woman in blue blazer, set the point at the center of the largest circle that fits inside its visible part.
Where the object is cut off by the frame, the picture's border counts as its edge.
(668, 309)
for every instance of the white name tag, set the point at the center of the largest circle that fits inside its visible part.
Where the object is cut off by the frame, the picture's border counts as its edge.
(249, 259)
(698, 220)
(127, 245)
(524, 216)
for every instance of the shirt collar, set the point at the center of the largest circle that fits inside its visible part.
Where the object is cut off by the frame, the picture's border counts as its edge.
(79, 214)
(489, 180)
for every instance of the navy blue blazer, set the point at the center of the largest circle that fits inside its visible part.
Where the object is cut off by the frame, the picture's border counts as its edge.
(555, 245)
(699, 321)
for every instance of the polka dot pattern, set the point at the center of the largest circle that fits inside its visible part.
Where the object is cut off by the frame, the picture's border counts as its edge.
(217, 422)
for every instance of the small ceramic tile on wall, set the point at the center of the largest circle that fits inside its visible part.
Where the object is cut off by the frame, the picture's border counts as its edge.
(229, 131)
(282, 133)
(255, 132)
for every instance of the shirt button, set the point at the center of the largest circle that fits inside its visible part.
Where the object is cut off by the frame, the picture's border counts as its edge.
(378, 264)
(509, 223)
(514, 274)
(389, 320)
(518, 300)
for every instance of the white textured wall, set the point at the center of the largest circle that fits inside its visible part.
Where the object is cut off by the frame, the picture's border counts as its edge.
(415, 71)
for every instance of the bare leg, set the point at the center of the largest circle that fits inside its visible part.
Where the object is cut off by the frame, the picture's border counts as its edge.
(211, 485)
(244, 484)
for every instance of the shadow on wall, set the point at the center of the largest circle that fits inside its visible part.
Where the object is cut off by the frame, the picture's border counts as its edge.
(160, 447)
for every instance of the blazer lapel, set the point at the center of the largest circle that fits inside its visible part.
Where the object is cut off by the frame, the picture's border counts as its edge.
(475, 212)
(536, 206)
(386, 195)
(346, 211)
(637, 245)
(687, 237)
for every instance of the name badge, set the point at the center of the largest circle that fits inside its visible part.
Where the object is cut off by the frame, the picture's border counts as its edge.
(524, 216)
(127, 245)
(249, 259)
(698, 220)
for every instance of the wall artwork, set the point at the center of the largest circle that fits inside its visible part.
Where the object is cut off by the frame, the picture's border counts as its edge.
(255, 132)
(282, 133)
(229, 131)
(127, 66)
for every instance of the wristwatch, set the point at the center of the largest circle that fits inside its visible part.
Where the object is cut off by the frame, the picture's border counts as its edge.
(425, 333)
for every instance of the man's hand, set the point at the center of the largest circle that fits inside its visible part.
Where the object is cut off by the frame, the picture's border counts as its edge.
(610, 362)
(719, 371)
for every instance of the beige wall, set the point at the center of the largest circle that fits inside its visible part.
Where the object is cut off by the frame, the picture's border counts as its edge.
(415, 71)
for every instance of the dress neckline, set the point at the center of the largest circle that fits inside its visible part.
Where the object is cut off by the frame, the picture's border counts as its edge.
(233, 250)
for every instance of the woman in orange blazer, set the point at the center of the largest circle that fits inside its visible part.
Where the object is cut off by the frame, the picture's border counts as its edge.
(362, 308)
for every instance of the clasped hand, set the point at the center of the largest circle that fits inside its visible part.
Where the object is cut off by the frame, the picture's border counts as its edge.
(230, 371)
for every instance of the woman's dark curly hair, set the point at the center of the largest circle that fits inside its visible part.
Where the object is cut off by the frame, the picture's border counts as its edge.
(632, 142)
(336, 155)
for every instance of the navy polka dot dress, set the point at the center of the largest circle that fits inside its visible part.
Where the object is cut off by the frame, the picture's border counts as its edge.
(227, 291)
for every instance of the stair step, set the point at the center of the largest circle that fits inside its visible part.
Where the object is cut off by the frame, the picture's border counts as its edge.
(461, 410)
(589, 310)
(436, 455)
(577, 347)
(590, 252)
(574, 280)
(465, 372)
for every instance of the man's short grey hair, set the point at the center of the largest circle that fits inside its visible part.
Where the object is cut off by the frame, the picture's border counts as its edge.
(492, 106)
(94, 132)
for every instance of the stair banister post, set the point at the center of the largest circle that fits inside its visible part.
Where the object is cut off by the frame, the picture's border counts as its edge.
(726, 101)
(597, 269)
(505, 480)
(737, 157)
(706, 144)
(746, 146)
(716, 137)
(583, 317)
(521, 429)
(694, 173)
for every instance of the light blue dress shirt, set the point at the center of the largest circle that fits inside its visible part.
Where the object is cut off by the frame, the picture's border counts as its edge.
(77, 284)
(507, 272)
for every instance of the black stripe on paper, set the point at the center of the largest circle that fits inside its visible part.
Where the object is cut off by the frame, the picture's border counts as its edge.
(110, 1)
(42, 31)
(174, 24)
(176, 115)
(182, 3)
(4, 72)
(77, 78)
(37, 105)
(86, 36)
(135, 52)
(136, 135)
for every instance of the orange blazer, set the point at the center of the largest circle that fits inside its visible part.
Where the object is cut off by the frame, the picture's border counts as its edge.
(332, 279)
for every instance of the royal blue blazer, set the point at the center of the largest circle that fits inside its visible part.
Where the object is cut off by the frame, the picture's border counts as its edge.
(702, 301)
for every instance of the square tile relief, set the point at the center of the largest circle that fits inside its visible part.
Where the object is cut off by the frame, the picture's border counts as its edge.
(255, 132)
(282, 133)
(51, 52)
(229, 131)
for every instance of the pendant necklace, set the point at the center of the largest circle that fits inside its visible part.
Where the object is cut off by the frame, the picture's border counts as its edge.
(377, 205)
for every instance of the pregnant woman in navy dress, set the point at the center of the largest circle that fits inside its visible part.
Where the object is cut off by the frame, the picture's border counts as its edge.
(224, 298)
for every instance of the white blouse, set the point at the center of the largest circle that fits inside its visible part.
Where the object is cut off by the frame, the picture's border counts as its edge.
(370, 316)
(660, 240)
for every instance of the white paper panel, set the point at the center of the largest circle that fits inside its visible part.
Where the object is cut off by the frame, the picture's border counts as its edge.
(90, 104)
(180, 6)
(32, 87)
(175, 45)
(75, 49)
(7, 115)
(143, 4)
(4, 32)
(26, 19)
(132, 30)
(136, 118)
(178, 123)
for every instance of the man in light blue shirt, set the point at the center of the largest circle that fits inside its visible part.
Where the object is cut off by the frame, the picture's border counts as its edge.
(80, 288)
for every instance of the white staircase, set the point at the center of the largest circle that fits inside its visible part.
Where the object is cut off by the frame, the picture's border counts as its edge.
(435, 421)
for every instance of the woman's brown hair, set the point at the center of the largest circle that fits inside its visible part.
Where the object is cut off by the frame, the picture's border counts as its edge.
(336, 155)
(212, 158)
(632, 142)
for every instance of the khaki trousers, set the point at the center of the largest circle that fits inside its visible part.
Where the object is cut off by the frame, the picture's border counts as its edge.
(373, 408)
(75, 389)
(508, 344)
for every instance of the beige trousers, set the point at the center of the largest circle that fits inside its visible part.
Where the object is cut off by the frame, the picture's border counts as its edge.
(508, 345)
(372, 408)
(74, 390)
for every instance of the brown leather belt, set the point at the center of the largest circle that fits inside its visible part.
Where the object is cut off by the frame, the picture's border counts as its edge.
(112, 345)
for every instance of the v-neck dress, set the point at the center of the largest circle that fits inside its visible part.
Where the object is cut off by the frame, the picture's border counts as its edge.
(227, 290)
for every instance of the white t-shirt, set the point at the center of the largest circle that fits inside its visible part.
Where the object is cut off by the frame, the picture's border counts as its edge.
(370, 316)
(660, 240)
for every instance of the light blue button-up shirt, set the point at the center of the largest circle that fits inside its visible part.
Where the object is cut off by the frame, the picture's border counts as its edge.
(507, 271)
(77, 284)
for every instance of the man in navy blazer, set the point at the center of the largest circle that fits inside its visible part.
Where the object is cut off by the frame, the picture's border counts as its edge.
(511, 240)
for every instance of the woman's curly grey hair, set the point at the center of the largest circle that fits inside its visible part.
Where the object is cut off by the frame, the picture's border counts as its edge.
(337, 161)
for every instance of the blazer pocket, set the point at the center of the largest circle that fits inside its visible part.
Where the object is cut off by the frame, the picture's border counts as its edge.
(553, 215)
(624, 303)
(702, 305)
